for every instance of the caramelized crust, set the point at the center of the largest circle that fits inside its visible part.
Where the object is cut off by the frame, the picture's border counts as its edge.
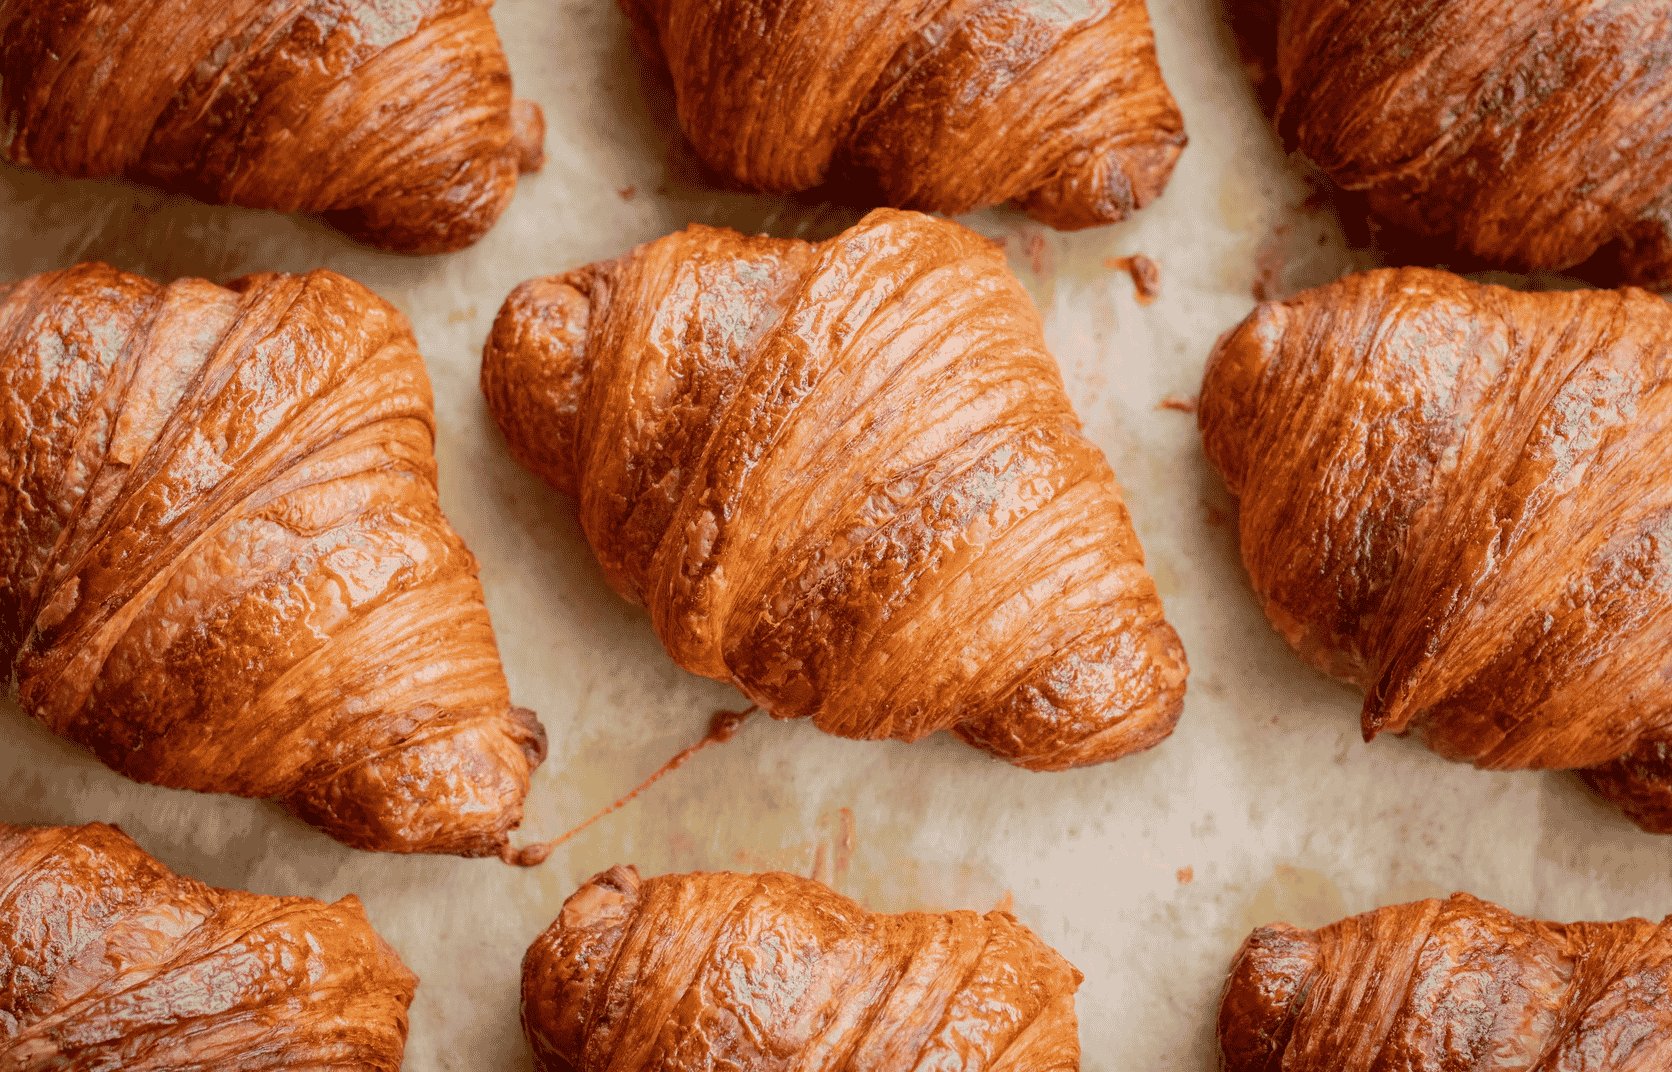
(939, 105)
(391, 118)
(223, 564)
(1451, 986)
(1456, 496)
(760, 973)
(844, 476)
(109, 961)
(1532, 134)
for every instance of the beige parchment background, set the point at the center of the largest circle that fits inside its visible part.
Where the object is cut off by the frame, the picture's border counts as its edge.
(1146, 873)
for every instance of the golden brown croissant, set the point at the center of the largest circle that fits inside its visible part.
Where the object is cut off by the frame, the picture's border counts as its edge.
(392, 118)
(945, 107)
(757, 973)
(1456, 496)
(110, 961)
(844, 476)
(1450, 986)
(1532, 134)
(223, 565)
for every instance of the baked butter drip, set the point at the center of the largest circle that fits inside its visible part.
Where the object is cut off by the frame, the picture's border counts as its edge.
(770, 972)
(223, 563)
(1456, 496)
(845, 477)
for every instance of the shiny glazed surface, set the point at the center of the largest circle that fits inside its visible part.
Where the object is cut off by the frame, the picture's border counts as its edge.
(758, 973)
(845, 477)
(1533, 134)
(223, 564)
(939, 105)
(108, 961)
(1458, 985)
(1456, 496)
(391, 118)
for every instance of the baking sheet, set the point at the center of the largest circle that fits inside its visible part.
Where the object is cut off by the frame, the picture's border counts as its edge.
(1146, 873)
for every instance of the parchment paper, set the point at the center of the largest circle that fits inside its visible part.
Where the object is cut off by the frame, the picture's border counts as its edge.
(1146, 873)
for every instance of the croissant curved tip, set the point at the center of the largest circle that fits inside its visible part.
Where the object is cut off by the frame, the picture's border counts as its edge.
(533, 735)
(528, 136)
(604, 895)
(1106, 187)
(540, 337)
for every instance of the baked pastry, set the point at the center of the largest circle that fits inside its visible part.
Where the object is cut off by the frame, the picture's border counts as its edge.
(1450, 986)
(1531, 135)
(844, 477)
(1455, 496)
(110, 961)
(943, 107)
(223, 565)
(765, 972)
(393, 119)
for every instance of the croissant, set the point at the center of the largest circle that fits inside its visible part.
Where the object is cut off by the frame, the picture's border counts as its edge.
(944, 107)
(1455, 496)
(1450, 986)
(1530, 135)
(766, 972)
(223, 565)
(110, 961)
(844, 476)
(391, 118)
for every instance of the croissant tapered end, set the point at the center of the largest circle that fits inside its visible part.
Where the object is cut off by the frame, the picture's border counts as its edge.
(1640, 784)
(112, 962)
(944, 108)
(224, 565)
(392, 119)
(1454, 496)
(1529, 136)
(1436, 986)
(758, 972)
(845, 477)
(533, 371)
(1269, 981)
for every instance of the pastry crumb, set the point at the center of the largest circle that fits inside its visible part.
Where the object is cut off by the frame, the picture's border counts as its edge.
(1145, 273)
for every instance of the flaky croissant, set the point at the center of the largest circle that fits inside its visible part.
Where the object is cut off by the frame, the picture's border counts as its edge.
(757, 973)
(223, 564)
(1531, 134)
(391, 118)
(944, 107)
(1456, 496)
(110, 961)
(844, 476)
(1450, 986)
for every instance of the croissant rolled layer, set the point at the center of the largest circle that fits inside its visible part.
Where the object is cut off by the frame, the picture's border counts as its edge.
(223, 562)
(1450, 986)
(1531, 134)
(845, 477)
(109, 961)
(391, 118)
(766, 972)
(1455, 496)
(943, 107)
